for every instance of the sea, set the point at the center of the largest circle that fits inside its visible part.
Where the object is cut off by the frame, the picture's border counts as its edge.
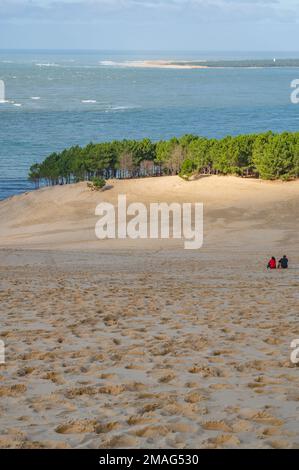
(56, 99)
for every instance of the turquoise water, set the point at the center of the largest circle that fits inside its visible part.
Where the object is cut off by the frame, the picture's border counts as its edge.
(60, 99)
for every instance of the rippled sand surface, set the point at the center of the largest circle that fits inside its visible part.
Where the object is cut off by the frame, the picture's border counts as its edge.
(158, 349)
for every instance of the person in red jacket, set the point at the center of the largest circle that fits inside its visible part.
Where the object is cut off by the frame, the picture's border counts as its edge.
(272, 263)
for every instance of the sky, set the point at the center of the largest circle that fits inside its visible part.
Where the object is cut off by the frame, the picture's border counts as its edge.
(203, 25)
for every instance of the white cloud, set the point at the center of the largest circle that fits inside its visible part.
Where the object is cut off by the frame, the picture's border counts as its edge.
(124, 10)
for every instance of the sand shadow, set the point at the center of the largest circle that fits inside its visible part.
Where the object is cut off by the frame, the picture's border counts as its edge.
(107, 187)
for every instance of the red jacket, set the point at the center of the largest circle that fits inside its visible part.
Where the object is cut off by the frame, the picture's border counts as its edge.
(272, 264)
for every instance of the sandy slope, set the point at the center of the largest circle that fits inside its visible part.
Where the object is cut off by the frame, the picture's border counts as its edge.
(236, 210)
(150, 348)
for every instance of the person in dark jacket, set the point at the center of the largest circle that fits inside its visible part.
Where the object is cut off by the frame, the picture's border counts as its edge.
(272, 263)
(283, 263)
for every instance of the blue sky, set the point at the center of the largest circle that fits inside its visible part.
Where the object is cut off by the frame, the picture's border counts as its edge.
(150, 24)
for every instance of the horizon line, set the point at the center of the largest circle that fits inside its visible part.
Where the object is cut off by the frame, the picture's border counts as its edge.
(149, 50)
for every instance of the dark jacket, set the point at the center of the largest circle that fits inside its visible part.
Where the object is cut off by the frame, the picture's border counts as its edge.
(284, 263)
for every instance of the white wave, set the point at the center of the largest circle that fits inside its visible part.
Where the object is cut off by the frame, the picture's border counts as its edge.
(35, 98)
(47, 65)
(88, 101)
(85, 67)
(108, 62)
(18, 105)
(6, 102)
(120, 107)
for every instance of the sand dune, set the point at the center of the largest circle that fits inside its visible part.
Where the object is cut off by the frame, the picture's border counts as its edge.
(110, 345)
(253, 211)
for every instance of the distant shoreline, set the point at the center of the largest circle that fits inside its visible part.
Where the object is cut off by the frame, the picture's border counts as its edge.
(208, 64)
(163, 64)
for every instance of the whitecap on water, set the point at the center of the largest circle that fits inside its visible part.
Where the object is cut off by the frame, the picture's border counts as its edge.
(120, 107)
(35, 98)
(88, 101)
(7, 102)
(108, 62)
(47, 65)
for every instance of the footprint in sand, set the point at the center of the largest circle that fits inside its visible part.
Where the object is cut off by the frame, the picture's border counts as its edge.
(216, 426)
(74, 427)
(267, 418)
(194, 397)
(152, 431)
(13, 390)
(120, 442)
(140, 419)
(224, 440)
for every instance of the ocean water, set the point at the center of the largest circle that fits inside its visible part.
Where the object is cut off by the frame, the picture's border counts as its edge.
(58, 99)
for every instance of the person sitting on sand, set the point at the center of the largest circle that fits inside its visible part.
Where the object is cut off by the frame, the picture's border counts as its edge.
(272, 263)
(283, 263)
